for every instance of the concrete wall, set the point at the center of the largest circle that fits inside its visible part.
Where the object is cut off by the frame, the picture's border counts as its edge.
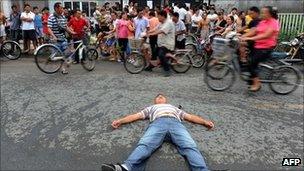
(284, 6)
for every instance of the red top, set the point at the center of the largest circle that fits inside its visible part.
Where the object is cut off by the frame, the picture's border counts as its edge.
(78, 24)
(45, 18)
(272, 40)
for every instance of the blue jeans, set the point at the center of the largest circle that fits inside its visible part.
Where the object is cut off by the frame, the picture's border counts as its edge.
(166, 129)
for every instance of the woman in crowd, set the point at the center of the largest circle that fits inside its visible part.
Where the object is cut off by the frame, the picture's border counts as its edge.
(231, 26)
(196, 18)
(122, 29)
(221, 22)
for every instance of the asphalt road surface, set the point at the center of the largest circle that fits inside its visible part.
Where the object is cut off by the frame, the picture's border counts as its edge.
(62, 122)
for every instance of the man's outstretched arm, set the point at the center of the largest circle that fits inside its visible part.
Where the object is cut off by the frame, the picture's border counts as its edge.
(198, 120)
(127, 119)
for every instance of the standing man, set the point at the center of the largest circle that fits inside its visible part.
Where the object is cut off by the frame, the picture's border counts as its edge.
(141, 24)
(45, 18)
(15, 21)
(38, 25)
(182, 12)
(79, 26)
(180, 31)
(165, 40)
(57, 26)
(153, 23)
(166, 125)
(28, 28)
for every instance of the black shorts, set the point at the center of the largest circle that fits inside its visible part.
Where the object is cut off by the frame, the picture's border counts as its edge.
(29, 34)
(180, 44)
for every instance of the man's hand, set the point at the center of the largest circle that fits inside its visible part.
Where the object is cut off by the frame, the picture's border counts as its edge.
(209, 124)
(199, 120)
(116, 124)
(126, 119)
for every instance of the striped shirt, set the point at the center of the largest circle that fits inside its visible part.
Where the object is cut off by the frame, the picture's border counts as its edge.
(57, 25)
(162, 110)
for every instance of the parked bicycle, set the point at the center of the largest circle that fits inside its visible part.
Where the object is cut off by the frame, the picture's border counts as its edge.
(281, 77)
(179, 60)
(49, 58)
(201, 50)
(10, 49)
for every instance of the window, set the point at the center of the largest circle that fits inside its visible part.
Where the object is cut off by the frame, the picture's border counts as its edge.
(92, 8)
(68, 5)
(76, 5)
(85, 7)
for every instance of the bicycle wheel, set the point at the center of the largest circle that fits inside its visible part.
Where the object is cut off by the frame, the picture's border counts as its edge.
(199, 60)
(286, 79)
(135, 63)
(89, 59)
(191, 47)
(219, 77)
(49, 59)
(11, 50)
(183, 63)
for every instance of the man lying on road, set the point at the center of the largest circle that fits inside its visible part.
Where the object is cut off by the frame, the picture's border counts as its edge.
(165, 125)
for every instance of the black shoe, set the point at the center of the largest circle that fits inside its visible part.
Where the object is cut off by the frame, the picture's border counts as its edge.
(167, 73)
(112, 167)
(149, 68)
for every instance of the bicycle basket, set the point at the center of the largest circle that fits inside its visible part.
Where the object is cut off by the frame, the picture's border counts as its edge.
(221, 49)
(135, 43)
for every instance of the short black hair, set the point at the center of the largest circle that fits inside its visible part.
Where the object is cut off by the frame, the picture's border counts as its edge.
(176, 14)
(14, 6)
(45, 8)
(152, 13)
(57, 5)
(163, 13)
(234, 9)
(254, 9)
(35, 8)
(27, 5)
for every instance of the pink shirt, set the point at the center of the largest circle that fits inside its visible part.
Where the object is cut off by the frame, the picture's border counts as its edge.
(271, 41)
(122, 29)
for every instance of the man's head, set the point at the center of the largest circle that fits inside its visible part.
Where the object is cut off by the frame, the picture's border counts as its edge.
(162, 16)
(254, 12)
(77, 13)
(113, 15)
(175, 17)
(140, 13)
(160, 99)
(45, 10)
(27, 7)
(151, 14)
(14, 8)
(36, 10)
(234, 11)
(58, 8)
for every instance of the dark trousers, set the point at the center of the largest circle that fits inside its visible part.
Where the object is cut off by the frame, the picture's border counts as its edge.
(162, 51)
(257, 56)
(153, 45)
(180, 44)
(122, 43)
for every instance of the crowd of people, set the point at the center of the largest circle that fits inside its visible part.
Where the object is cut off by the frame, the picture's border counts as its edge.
(163, 29)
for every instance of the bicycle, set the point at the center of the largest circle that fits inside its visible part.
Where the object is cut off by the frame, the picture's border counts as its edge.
(179, 60)
(226, 65)
(50, 55)
(10, 49)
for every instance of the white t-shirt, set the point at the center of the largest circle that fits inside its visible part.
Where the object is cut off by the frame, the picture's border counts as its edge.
(182, 13)
(175, 9)
(168, 38)
(28, 25)
(195, 18)
(212, 17)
